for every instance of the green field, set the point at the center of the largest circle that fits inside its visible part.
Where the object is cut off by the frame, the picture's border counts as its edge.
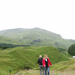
(21, 58)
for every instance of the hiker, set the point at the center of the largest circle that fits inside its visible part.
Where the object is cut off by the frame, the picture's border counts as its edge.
(40, 64)
(46, 64)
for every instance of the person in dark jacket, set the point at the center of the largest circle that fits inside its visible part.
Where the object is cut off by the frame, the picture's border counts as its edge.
(40, 64)
(46, 64)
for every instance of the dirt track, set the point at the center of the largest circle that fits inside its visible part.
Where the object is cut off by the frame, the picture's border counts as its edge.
(35, 72)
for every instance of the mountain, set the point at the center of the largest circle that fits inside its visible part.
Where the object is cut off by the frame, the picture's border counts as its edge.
(37, 37)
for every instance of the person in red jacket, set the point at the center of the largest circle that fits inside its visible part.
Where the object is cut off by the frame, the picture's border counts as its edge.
(46, 64)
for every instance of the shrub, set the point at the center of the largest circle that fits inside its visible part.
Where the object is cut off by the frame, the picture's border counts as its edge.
(5, 47)
(0, 46)
(71, 50)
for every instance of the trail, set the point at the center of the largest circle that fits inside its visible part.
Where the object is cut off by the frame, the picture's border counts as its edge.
(17, 73)
(32, 72)
(36, 72)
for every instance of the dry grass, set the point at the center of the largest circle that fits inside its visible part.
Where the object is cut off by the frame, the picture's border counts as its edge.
(36, 72)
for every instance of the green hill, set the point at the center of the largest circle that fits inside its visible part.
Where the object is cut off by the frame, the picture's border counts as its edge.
(8, 40)
(4, 41)
(21, 58)
(37, 37)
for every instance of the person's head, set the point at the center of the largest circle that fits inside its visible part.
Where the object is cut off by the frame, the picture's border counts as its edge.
(45, 56)
(40, 56)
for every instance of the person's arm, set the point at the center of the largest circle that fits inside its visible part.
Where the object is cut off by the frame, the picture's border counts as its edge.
(49, 61)
(43, 63)
(38, 60)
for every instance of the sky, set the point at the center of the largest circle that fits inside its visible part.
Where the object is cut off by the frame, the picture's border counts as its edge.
(57, 16)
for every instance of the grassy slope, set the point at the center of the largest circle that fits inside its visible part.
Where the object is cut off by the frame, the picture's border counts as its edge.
(65, 66)
(26, 57)
(61, 68)
(10, 41)
(28, 36)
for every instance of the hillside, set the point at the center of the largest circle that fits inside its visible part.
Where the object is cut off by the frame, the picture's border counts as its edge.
(61, 68)
(21, 58)
(37, 37)
(8, 40)
(65, 66)
(4, 41)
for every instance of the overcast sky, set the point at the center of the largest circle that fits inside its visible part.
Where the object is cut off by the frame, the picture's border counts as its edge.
(54, 15)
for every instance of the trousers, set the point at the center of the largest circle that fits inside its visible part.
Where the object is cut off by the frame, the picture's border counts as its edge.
(41, 68)
(47, 70)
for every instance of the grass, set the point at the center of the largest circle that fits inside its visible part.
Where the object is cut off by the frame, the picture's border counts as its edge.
(21, 58)
(64, 66)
